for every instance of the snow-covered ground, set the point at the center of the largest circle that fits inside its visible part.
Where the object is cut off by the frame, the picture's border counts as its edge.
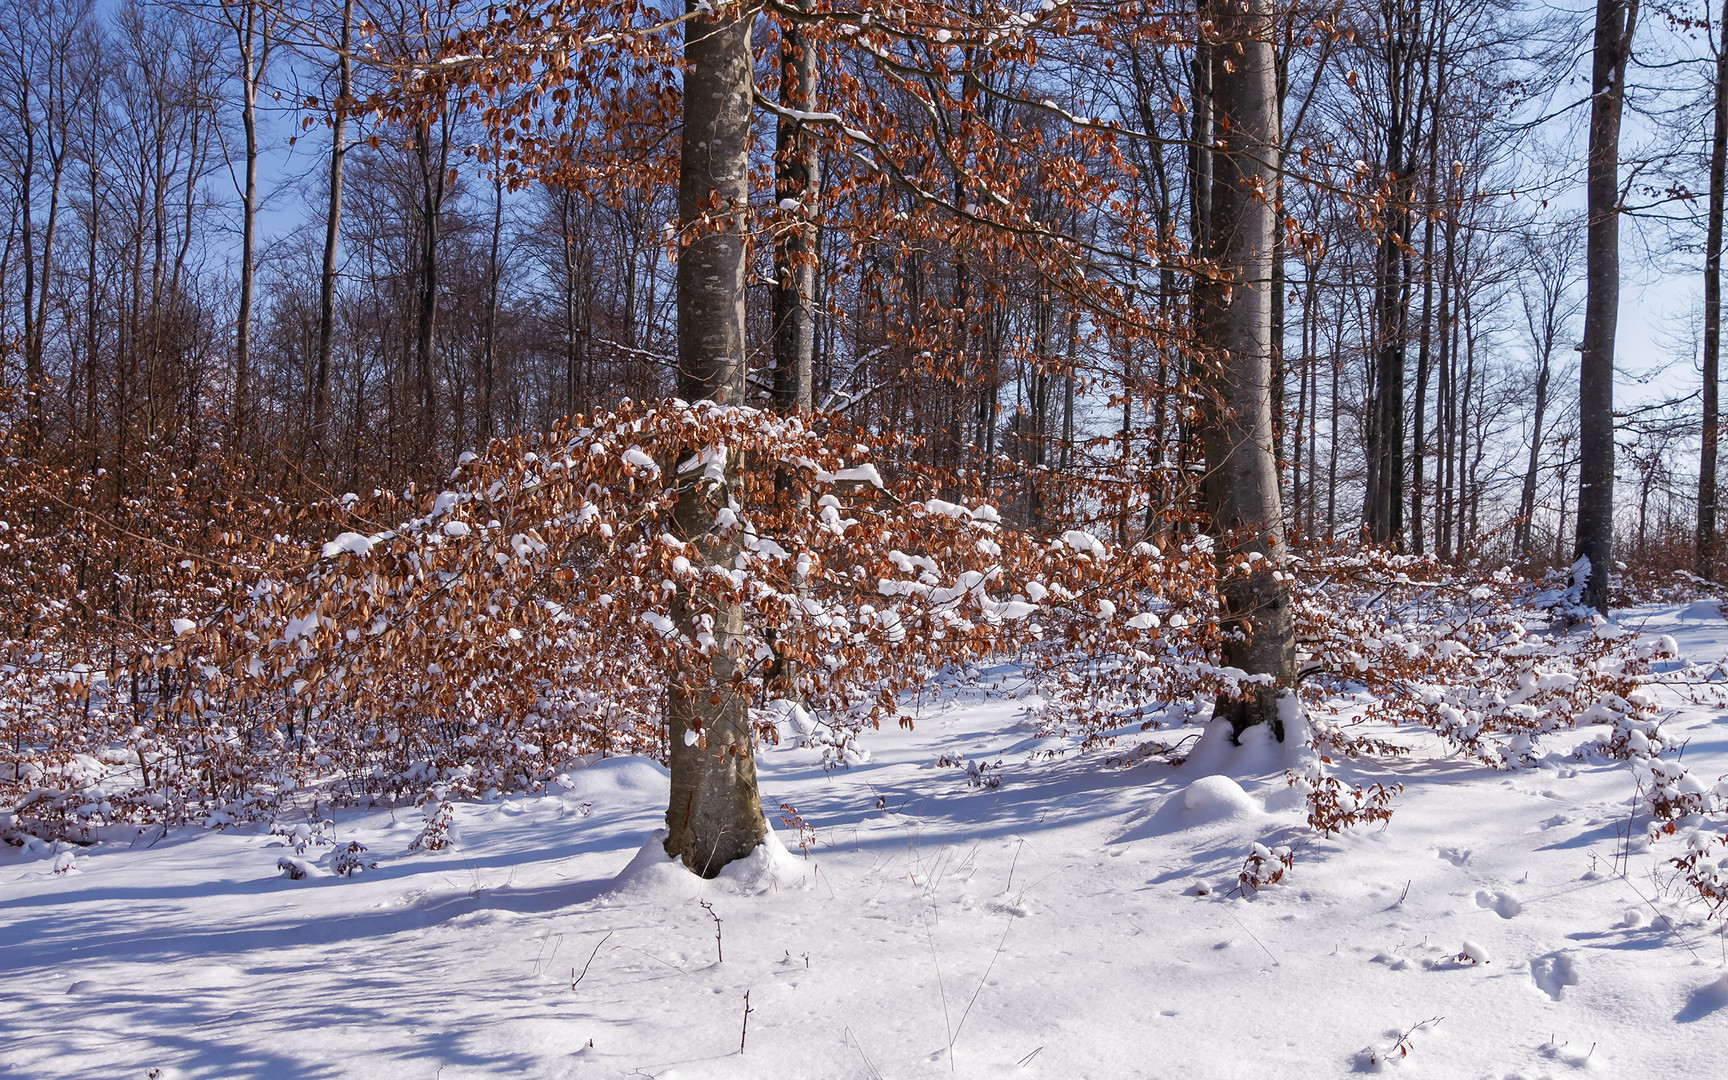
(1080, 919)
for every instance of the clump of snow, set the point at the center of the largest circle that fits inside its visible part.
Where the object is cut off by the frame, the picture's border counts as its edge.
(1085, 543)
(1215, 798)
(351, 542)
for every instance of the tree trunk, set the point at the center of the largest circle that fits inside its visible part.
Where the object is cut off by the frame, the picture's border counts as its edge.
(1383, 504)
(434, 179)
(1527, 497)
(251, 26)
(714, 814)
(1705, 558)
(489, 359)
(1234, 322)
(332, 230)
(1615, 21)
(26, 185)
(795, 244)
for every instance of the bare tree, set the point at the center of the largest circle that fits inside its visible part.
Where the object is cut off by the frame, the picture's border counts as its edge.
(339, 107)
(1615, 22)
(250, 23)
(1704, 558)
(1549, 305)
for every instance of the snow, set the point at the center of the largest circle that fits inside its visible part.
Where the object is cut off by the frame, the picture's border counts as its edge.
(1083, 918)
(350, 542)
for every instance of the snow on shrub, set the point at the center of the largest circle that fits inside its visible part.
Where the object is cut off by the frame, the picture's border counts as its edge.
(1476, 657)
(1264, 866)
(491, 635)
(494, 633)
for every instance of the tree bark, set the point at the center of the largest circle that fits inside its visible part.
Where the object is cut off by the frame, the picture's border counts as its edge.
(1234, 323)
(1383, 505)
(1705, 558)
(250, 22)
(332, 231)
(489, 357)
(795, 244)
(1615, 22)
(714, 814)
(434, 179)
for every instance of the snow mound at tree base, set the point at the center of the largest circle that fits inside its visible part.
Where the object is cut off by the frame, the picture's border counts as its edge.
(770, 868)
(1258, 753)
(653, 875)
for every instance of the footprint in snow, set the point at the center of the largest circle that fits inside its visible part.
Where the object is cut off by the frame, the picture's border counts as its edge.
(1455, 856)
(1554, 973)
(1503, 904)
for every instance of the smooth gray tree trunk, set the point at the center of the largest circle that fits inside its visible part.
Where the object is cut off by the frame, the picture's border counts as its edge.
(1615, 21)
(714, 814)
(1234, 312)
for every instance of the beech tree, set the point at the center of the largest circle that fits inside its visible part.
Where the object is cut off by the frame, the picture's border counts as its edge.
(714, 815)
(1615, 22)
(1234, 333)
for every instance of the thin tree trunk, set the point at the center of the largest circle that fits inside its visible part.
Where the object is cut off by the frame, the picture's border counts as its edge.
(795, 245)
(1527, 497)
(1615, 23)
(252, 33)
(1705, 558)
(332, 232)
(26, 213)
(489, 360)
(433, 181)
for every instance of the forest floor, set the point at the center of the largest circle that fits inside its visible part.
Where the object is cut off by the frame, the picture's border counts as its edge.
(1080, 918)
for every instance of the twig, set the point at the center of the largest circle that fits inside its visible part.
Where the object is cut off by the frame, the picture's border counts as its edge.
(584, 975)
(1625, 856)
(652, 957)
(942, 991)
(1022, 1063)
(1257, 941)
(746, 1030)
(1672, 929)
(719, 954)
(982, 980)
(853, 1039)
(559, 939)
(1008, 888)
